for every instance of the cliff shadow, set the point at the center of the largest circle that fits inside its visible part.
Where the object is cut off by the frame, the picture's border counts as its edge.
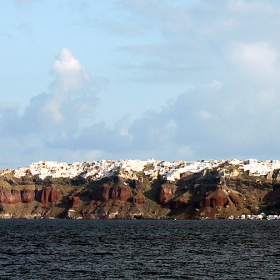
(270, 203)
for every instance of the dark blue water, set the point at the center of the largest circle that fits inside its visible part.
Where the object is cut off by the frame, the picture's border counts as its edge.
(107, 249)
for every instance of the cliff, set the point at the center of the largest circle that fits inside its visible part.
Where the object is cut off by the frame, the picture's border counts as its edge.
(217, 192)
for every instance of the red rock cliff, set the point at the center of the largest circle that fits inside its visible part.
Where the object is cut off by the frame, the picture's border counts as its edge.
(50, 195)
(16, 196)
(102, 193)
(215, 199)
(27, 195)
(5, 195)
(116, 192)
(121, 193)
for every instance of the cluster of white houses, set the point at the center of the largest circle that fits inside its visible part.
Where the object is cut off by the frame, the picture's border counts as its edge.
(261, 216)
(171, 170)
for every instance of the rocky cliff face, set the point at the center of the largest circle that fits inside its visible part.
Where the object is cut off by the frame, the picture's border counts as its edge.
(8, 196)
(215, 193)
(115, 192)
(166, 192)
(49, 195)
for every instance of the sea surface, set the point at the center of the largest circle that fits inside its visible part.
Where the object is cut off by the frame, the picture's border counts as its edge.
(139, 249)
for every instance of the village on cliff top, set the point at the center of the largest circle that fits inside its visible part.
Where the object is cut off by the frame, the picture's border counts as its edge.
(169, 170)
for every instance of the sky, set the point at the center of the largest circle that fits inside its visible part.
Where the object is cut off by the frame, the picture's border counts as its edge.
(171, 80)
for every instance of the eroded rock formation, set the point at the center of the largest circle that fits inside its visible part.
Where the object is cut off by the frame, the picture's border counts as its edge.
(5, 195)
(50, 195)
(115, 192)
(121, 193)
(15, 196)
(215, 199)
(27, 196)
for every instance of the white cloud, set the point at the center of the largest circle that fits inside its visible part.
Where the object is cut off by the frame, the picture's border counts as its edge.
(257, 58)
(67, 63)
(72, 89)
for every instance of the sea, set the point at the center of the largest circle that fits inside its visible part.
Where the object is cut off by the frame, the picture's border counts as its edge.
(139, 249)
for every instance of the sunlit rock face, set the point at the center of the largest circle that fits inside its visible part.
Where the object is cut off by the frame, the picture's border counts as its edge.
(115, 192)
(16, 196)
(5, 195)
(121, 193)
(50, 195)
(27, 196)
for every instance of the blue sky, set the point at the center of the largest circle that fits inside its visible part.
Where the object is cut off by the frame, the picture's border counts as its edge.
(174, 80)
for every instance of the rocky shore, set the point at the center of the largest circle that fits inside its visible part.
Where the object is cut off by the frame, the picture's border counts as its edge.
(141, 190)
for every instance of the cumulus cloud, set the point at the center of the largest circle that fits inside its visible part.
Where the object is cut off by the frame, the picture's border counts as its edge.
(71, 74)
(53, 117)
(72, 89)
(62, 123)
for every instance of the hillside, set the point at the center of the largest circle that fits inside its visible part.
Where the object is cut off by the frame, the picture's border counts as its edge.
(141, 189)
